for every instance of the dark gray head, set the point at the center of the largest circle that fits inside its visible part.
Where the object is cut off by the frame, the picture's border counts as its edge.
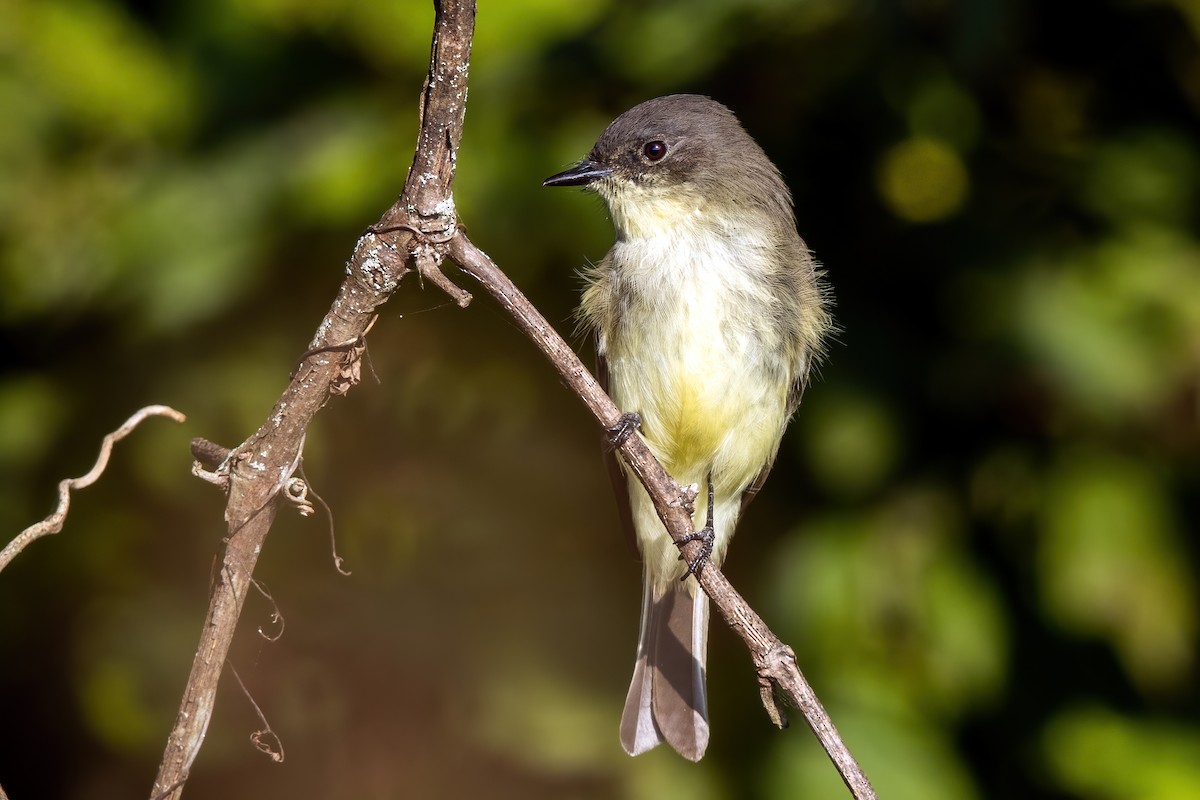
(683, 151)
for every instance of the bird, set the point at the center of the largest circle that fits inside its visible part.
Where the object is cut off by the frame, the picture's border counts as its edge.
(708, 315)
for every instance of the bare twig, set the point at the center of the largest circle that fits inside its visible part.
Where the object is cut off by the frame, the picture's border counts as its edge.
(54, 523)
(210, 460)
(427, 267)
(420, 221)
(210, 454)
(420, 229)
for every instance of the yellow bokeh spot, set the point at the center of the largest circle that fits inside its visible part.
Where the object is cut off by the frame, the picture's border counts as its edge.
(923, 180)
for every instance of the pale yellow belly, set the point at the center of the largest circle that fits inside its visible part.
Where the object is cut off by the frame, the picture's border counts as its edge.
(710, 405)
(710, 399)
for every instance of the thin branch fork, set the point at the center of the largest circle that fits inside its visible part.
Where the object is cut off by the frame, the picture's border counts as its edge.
(420, 229)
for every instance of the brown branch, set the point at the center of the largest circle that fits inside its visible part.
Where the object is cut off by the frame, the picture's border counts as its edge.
(209, 455)
(421, 229)
(54, 523)
(774, 661)
(421, 220)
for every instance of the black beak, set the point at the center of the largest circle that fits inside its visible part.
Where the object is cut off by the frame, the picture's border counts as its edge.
(581, 174)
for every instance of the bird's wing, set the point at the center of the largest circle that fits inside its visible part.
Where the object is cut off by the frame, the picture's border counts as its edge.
(793, 402)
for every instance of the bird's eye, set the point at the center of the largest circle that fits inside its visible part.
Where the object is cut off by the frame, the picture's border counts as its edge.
(654, 150)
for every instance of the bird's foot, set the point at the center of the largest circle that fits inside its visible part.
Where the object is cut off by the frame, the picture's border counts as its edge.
(629, 422)
(707, 536)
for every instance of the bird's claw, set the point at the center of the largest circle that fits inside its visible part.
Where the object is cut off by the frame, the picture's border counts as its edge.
(629, 422)
(707, 536)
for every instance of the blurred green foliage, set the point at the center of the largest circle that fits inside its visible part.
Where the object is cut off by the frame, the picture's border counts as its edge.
(979, 537)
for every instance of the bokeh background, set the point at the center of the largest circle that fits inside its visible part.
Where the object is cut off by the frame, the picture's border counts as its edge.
(980, 536)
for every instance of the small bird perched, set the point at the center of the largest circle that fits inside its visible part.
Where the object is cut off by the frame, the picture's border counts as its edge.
(708, 314)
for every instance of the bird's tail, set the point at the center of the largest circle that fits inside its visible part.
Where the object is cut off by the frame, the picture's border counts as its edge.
(667, 701)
